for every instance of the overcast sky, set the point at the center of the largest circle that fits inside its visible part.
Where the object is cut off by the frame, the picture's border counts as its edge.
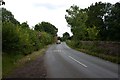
(53, 11)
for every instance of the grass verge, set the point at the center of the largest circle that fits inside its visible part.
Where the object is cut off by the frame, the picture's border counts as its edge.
(95, 51)
(10, 62)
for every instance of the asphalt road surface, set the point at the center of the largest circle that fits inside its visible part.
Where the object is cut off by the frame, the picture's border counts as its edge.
(64, 62)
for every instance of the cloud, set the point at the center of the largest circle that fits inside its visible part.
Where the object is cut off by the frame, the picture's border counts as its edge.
(48, 5)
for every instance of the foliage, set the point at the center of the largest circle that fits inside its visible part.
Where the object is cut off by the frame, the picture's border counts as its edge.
(15, 39)
(76, 19)
(93, 48)
(11, 61)
(59, 38)
(66, 36)
(25, 25)
(8, 63)
(100, 21)
(46, 38)
(46, 27)
(112, 21)
(8, 17)
(20, 39)
(96, 15)
(92, 33)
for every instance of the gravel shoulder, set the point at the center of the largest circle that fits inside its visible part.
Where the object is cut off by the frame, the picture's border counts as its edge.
(34, 69)
(31, 66)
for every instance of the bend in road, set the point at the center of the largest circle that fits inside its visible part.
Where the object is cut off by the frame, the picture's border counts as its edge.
(64, 62)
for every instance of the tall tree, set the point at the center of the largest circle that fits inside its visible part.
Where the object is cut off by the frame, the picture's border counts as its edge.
(76, 19)
(99, 21)
(66, 36)
(96, 17)
(46, 27)
(112, 21)
(25, 25)
(8, 17)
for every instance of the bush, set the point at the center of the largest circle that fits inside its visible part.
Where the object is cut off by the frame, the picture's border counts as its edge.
(94, 48)
(20, 40)
(46, 38)
(9, 37)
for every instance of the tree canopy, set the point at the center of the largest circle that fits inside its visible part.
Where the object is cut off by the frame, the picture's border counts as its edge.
(66, 36)
(25, 25)
(46, 27)
(8, 17)
(19, 38)
(100, 21)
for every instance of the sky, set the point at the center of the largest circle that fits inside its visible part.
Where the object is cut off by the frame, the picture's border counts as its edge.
(53, 11)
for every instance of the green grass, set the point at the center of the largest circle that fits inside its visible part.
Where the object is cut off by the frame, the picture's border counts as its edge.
(10, 62)
(95, 51)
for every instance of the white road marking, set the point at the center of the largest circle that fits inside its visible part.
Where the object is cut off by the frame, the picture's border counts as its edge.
(67, 47)
(77, 61)
(57, 50)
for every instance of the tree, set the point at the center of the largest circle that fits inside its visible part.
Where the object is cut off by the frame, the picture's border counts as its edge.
(112, 22)
(59, 38)
(96, 17)
(46, 27)
(25, 25)
(66, 36)
(92, 33)
(8, 17)
(19, 39)
(76, 19)
(100, 21)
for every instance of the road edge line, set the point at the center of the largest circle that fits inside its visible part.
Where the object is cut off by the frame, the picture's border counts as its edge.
(78, 61)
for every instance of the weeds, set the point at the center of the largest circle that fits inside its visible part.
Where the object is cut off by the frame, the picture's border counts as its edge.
(93, 48)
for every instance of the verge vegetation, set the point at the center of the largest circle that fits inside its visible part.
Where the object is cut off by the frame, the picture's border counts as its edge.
(106, 50)
(96, 30)
(18, 40)
(10, 62)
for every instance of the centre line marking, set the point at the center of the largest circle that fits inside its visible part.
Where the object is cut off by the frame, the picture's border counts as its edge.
(77, 61)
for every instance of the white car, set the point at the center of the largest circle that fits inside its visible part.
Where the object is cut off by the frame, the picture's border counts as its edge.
(58, 42)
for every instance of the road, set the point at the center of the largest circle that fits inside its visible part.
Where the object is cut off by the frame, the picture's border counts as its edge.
(64, 62)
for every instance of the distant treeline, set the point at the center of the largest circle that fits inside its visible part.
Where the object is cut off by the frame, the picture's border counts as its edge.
(100, 21)
(20, 39)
